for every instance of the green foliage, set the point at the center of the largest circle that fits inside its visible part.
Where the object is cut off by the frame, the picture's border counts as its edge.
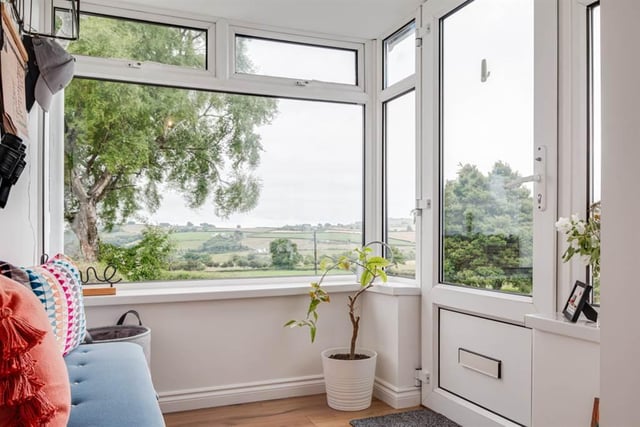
(221, 243)
(284, 254)
(488, 230)
(371, 267)
(145, 260)
(123, 140)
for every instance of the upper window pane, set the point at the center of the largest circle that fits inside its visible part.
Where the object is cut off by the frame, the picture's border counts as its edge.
(170, 183)
(487, 145)
(275, 58)
(118, 38)
(400, 55)
(400, 184)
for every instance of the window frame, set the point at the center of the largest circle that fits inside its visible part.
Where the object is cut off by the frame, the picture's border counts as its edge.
(574, 186)
(217, 79)
(386, 94)
(504, 306)
(397, 33)
(187, 25)
(299, 39)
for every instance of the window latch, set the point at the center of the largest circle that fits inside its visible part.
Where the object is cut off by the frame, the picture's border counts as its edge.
(302, 83)
(421, 204)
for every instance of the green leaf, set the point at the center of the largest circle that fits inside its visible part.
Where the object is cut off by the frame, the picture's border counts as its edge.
(383, 275)
(290, 323)
(366, 277)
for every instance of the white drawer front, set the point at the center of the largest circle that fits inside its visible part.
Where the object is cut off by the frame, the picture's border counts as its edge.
(488, 363)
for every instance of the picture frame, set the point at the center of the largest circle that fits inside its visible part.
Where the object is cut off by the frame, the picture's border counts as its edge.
(577, 300)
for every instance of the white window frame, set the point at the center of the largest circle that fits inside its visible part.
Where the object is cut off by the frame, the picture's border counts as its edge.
(385, 95)
(216, 78)
(296, 38)
(503, 306)
(574, 132)
(148, 72)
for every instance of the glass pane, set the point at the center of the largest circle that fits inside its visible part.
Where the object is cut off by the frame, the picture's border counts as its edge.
(400, 147)
(119, 38)
(400, 55)
(275, 58)
(595, 121)
(171, 183)
(487, 145)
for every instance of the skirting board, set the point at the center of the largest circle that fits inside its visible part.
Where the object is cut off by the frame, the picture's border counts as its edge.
(186, 400)
(396, 397)
(190, 399)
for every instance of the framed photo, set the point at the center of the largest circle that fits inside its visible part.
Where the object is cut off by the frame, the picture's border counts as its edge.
(577, 300)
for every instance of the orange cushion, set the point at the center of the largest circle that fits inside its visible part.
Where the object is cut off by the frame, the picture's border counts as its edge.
(34, 384)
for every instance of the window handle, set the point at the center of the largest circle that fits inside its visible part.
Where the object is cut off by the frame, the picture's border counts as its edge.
(540, 185)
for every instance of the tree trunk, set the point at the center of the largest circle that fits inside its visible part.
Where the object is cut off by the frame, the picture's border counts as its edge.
(85, 227)
(85, 221)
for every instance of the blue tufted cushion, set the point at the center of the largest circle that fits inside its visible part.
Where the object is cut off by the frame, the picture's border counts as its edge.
(111, 386)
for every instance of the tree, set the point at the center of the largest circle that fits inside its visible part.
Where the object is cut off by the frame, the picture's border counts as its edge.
(488, 229)
(124, 141)
(143, 260)
(284, 254)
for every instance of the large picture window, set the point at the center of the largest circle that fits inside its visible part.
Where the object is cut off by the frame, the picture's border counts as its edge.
(180, 184)
(168, 182)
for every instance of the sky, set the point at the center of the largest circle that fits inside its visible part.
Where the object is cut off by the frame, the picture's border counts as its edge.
(310, 171)
(311, 167)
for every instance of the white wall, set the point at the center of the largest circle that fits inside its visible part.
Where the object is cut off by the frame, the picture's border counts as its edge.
(391, 326)
(219, 352)
(620, 335)
(20, 220)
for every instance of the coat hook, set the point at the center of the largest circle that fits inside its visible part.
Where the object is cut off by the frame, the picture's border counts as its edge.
(484, 73)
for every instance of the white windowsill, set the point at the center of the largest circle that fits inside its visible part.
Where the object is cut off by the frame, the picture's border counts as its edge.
(167, 292)
(557, 324)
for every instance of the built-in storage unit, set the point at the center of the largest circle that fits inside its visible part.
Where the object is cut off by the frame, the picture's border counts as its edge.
(566, 370)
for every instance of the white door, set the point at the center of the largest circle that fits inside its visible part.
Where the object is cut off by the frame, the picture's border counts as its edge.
(489, 130)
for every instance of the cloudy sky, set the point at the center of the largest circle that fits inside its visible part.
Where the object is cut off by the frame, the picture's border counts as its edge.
(311, 167)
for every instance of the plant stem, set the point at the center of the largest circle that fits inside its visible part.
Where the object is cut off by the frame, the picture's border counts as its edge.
(355, 320)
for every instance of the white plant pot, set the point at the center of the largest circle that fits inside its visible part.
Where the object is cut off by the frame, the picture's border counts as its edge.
(349, 383)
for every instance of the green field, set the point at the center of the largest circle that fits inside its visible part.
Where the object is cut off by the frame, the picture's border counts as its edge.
(250, 256)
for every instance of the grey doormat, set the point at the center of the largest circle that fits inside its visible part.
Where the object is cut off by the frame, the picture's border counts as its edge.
(417, 418)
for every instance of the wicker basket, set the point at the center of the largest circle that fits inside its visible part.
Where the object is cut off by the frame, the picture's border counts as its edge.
(137, 334)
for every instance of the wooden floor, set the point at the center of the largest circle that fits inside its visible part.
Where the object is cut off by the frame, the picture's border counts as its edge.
(308, 411)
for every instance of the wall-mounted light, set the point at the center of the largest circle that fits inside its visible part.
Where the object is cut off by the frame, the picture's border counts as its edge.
(58, 19)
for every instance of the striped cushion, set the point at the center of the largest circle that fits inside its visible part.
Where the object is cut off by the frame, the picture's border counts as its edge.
(57, 285)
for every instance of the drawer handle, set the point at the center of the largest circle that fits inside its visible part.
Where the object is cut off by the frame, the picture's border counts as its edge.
(480, 363)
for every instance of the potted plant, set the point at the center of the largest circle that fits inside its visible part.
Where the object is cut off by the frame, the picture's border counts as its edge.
(348, 372)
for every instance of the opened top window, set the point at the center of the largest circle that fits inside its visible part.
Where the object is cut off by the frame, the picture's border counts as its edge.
(400, 55)
(119, 38)
(275, 58)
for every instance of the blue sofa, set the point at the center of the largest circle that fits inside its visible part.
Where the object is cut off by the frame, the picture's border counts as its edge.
(111, 386)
